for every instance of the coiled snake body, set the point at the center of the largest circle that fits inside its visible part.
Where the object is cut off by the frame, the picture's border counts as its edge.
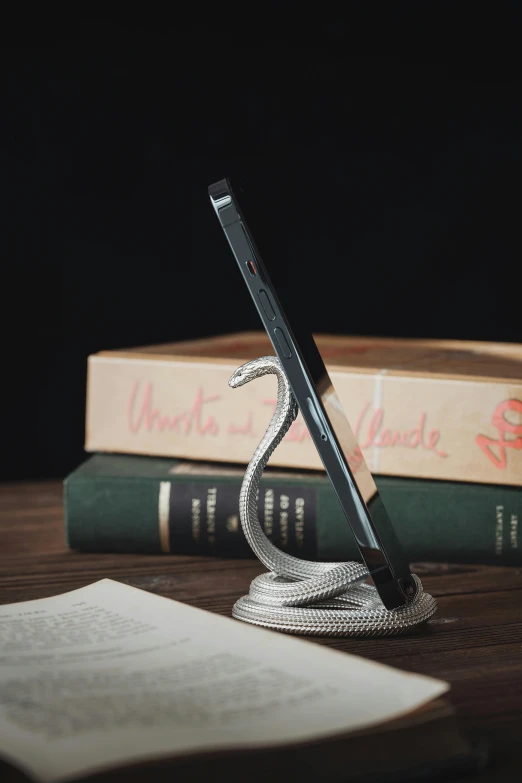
(299, 596)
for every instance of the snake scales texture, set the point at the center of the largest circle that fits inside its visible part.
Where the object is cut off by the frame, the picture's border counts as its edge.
(299, 596)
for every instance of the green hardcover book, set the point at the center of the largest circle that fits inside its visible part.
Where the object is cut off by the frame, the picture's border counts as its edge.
(144, 504)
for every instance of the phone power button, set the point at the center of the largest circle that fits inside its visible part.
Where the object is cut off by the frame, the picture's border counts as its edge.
(283, 344)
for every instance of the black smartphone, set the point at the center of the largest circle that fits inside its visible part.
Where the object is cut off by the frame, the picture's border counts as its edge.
(284, 315)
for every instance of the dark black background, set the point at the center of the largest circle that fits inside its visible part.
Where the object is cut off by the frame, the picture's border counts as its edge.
(399, 123)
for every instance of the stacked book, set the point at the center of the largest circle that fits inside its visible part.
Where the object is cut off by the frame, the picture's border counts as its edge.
(439, 423)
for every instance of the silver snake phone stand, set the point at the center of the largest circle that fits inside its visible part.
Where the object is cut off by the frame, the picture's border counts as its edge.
(300, 596)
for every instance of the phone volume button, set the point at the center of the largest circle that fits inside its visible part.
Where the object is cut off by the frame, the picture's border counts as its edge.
(283, 343)
(266, 304)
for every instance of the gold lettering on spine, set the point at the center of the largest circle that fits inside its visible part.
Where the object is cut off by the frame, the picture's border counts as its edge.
(284, 502)
(499, 529)
(269, 512)
(211, 514)
(513, 532)
(163, 515)
(195, 512)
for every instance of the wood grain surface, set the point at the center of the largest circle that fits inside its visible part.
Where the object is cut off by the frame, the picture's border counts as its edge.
(474, 641)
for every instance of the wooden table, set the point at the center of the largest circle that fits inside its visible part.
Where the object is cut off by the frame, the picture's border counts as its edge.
(474, 642)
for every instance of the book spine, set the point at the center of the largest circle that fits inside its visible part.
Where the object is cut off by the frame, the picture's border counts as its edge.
(424, 427)
(435, 521)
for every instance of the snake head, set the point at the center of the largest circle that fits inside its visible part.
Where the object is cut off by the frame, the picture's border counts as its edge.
(253, 369)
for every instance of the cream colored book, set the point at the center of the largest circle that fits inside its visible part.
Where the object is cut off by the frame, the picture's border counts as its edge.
(436, 409)
(109, 675)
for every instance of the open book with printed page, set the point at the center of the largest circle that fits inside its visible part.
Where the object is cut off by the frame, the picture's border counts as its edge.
(110, 683)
